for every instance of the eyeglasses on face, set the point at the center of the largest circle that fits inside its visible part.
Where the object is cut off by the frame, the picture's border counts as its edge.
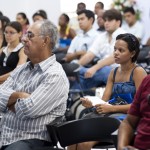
(9, 33)
(31, 35)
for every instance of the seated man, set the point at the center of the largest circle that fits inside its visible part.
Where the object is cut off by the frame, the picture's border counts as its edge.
(132, 25)
(35, 93)
(81, 43)
(138, 119)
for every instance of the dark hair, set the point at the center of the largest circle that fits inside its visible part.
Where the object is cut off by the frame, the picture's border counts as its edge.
(133, 43)
(66, 17)
(81, 3)
(16, 25)
(24, 17)
(41, 13)
(88, 13)
(1, 14)
(4, 21)
(129, 9)
(101, 4)
(113, 14)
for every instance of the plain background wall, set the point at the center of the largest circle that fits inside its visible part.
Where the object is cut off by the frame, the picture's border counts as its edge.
(11, 7)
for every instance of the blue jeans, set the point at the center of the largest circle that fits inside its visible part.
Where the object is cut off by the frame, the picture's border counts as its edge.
(26, 145)
(98, 79)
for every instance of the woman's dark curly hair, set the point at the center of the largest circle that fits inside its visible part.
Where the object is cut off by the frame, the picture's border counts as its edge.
(132, 42)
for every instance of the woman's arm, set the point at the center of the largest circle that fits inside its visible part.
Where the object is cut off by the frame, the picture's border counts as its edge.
(72, 33)
(138, 76)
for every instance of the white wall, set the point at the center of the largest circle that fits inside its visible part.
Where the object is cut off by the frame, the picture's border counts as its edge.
(11, 7)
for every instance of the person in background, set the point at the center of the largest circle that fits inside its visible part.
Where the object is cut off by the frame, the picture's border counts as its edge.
(74, 24)
(36, 92)
(66, 34)
(98, 6)
(39, 15)
(23, 20)
(132, 25)
(3, 23)
(124, 79)
(81, 43)
(100, 21)
(13, 54)
(134, 131)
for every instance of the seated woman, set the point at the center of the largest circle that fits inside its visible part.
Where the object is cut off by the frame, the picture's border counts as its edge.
(3, 23)
(66, 34)
(13, 54)
(124, 79)
(23, 20)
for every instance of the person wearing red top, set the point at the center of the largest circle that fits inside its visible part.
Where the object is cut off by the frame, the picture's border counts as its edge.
(138, 119)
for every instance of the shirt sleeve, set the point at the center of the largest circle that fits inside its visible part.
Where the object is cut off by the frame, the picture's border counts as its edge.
(51, 93)
(6, 89)
(97, 46)
(73, 45)
(140, 96)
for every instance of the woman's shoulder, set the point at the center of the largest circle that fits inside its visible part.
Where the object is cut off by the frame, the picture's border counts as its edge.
(138, 69)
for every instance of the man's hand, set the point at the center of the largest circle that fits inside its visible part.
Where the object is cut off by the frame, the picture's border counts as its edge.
(16, 95)
(90, 72)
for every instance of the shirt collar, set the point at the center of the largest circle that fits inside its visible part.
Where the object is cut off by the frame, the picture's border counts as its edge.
(44, 65)
(18, 47)
(89, 33)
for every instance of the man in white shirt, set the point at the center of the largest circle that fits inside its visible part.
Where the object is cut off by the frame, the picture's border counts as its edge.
(81, 43)
(103, 48)
(132, 25)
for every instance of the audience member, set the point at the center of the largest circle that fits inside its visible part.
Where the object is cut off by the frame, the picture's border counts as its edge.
(98, 6)
(23, 20)
(135, 128)
(74, 24)
(102, 47)
(132, 25)
(66, 34)
(39, 15)
(35, 94)
(100, 21)
(124, 79)
(3, 23)
(13, 54)
(81, 43)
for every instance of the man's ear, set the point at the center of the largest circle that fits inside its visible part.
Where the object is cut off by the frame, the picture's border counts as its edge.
(46, 40)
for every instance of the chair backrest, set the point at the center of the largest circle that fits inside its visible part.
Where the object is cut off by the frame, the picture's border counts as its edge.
(82, 130)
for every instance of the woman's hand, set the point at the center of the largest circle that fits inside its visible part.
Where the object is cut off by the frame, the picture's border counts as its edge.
(104, 108)
(86, 102)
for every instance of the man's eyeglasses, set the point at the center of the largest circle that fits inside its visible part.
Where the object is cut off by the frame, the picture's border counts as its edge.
(9, 33)
(31, 35)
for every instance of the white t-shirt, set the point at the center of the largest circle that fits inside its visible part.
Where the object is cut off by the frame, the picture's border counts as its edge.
(136, 29)
(101, 46)
(83, 41)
